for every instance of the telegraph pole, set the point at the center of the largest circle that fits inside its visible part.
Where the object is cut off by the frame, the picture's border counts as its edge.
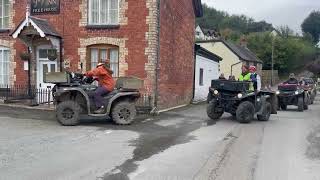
(272, 62)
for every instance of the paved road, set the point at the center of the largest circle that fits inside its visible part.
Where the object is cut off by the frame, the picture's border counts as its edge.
(178, 145)
(285, 148)
(174, 145)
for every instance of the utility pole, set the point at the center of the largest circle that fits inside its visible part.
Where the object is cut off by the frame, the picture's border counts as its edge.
(273, 35)
(272, 61)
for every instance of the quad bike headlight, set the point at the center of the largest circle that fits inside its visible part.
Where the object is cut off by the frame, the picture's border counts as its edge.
(296, 93)
(277, 92)
(215, 92)
(240, 95)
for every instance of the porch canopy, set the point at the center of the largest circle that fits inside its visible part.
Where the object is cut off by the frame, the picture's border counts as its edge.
(32, 29)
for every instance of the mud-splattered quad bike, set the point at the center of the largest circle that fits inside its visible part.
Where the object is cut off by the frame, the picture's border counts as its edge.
(73, 94)
(234, 97)
(293, 94)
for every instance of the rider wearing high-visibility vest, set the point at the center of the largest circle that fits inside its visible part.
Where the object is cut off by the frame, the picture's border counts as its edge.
(246, 76)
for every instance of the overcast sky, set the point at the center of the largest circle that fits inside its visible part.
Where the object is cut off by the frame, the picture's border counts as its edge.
(277, 12)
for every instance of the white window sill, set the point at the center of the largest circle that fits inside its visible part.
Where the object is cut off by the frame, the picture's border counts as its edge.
(96, 26)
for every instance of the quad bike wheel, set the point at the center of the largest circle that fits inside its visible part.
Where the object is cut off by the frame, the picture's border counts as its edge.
(266, 113)
(245, 112)
(209, 97)
(283, 107)
(211, 110)
(123, 113)
(300, 104)
(305, 106)
(68, 113)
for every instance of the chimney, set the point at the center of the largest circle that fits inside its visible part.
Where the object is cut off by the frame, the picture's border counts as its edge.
(28, 11)
(243, 42)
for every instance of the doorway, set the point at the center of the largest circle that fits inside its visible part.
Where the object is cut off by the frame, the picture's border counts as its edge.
(44, 66)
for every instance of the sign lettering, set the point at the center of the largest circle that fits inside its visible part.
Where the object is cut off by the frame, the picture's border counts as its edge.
(45, 6)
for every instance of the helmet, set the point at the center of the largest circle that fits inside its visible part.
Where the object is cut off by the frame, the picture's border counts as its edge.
(252, 68)
(100, 64)
(292, 75)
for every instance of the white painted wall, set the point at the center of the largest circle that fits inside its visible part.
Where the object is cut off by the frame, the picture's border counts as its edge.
(210, 72)
(199, 33)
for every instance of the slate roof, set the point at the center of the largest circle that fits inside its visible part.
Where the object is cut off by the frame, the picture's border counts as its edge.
(243, 53)
(45, 26)
(209, 32)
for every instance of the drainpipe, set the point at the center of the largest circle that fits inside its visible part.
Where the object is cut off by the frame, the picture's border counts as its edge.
(233, 66)
(194, 71)
(61, 54)
(156, 93)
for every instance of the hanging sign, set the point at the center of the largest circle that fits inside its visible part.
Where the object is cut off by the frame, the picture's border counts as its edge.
(45, 6)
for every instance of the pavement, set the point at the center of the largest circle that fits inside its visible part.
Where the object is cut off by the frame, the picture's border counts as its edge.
(180, 144)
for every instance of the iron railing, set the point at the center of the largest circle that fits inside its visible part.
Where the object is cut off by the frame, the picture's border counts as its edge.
(43, 96)
(13, 93)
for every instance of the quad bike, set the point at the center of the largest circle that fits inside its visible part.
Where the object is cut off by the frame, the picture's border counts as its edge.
(311, 87)
(234, 97)
(293, 94)
(73, 94)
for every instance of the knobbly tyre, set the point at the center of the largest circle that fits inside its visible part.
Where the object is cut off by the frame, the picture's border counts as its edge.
(292, 94)
(73, 94)
(234, 97)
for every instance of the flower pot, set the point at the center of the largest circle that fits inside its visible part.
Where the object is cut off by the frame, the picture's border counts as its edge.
(25, 56)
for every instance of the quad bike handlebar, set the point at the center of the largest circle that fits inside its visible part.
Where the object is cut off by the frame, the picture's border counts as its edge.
(81, 78)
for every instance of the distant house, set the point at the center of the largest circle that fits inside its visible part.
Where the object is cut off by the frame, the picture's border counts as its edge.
(199, 33)
(206, 34)
(206, 69)
(233, 55)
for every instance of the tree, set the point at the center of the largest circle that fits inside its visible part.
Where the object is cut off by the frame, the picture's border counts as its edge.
(285, 31)
(290, 53)
(311, 25)
(239, 24)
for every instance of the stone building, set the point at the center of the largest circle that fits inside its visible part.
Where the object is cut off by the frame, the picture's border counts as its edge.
(149, 39)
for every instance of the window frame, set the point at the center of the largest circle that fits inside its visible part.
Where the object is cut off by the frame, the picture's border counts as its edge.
(2, 15)
(101, 47)
(201, 77)
(2, 62)
(97, 25)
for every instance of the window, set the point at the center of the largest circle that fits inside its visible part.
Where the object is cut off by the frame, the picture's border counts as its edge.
(103, 12)
(4, 14)
(103, 53)
(4, 65)
(201, 77)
